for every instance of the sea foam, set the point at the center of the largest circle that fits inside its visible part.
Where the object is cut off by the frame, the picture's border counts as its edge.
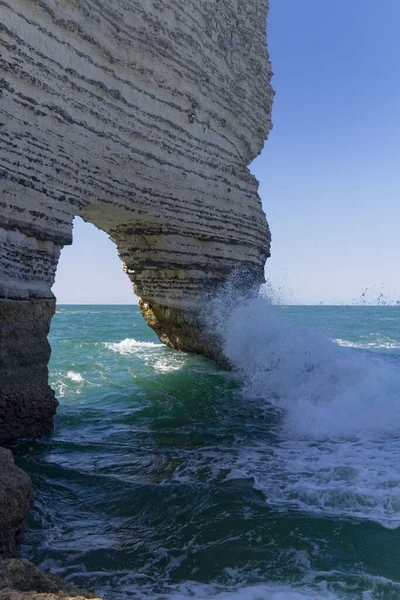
(324, 391)
(76, 377)
(338, 410)
(131, 346)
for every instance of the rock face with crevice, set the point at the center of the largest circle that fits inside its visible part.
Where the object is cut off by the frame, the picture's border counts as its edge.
(141, 117)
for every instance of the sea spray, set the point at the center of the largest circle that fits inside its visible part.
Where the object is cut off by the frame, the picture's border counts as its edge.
(324, 390)
(347, 400)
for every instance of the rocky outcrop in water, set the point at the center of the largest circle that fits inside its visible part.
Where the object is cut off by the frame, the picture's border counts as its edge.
(21, 580)
(141, 117)
(15, 502)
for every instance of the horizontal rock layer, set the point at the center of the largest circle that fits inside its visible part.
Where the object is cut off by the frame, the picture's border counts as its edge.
(141, 117)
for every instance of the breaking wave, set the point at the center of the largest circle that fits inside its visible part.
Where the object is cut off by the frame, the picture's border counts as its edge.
(131, 346)
(323, 391)
(371, 342)
(337, 412)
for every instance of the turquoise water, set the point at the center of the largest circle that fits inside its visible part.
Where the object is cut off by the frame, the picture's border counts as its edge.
(168, 478)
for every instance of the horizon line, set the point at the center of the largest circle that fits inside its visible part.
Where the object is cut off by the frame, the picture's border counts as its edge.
(396, 305)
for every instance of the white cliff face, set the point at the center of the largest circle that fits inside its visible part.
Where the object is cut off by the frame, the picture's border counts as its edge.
(141, 116)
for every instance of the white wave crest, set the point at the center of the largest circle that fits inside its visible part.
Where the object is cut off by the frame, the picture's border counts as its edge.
(338, 411)
(155, 355)
(257, 592)
(324, 390)
(314, 585)
(76, 377)
(375, 342)
(131, 346)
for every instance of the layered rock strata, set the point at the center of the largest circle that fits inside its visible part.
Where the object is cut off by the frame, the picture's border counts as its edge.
(141, 117)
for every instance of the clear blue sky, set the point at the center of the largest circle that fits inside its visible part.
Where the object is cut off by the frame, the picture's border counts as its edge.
(329, 173)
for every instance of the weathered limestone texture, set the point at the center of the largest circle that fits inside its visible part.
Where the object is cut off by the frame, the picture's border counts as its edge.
(141, 117)
(15, 502)
(21, 580)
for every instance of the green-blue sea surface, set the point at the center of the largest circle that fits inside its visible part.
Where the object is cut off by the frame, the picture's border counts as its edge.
(169, 478)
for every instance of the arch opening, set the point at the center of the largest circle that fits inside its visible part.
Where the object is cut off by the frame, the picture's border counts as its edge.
(172, 264)
(89, 270)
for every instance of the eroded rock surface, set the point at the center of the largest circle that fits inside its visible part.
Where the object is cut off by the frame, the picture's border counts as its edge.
(22, 580)
(15, 502)
(141, 117)
(27, 403)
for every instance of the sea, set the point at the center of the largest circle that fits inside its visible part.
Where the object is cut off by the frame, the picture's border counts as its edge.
(168, 478)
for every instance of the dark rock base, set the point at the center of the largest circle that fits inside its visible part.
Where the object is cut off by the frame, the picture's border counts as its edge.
(27, 403)
(21, 580)
(183, 330)
(15, 502)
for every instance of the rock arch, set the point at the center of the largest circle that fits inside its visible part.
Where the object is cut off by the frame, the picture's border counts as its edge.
(140, 117)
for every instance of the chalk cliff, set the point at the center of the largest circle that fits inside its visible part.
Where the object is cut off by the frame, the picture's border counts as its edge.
(141, 117)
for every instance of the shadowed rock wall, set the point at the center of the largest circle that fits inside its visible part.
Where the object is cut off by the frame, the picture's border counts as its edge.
(141, 117)
(15, 502)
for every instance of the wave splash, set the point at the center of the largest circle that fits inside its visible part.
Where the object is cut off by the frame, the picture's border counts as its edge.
(337, 409)
(323, 390)
(130, 346)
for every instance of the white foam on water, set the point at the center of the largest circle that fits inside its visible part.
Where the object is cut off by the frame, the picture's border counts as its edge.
(257, 592)
(373, 342)
(157, 356)
(76, 377)
(315, 585)
(131, 346)
(324, 390)
(339, 435)
(336, 479)
(321, 590)
(170, 364)
(70, 382)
